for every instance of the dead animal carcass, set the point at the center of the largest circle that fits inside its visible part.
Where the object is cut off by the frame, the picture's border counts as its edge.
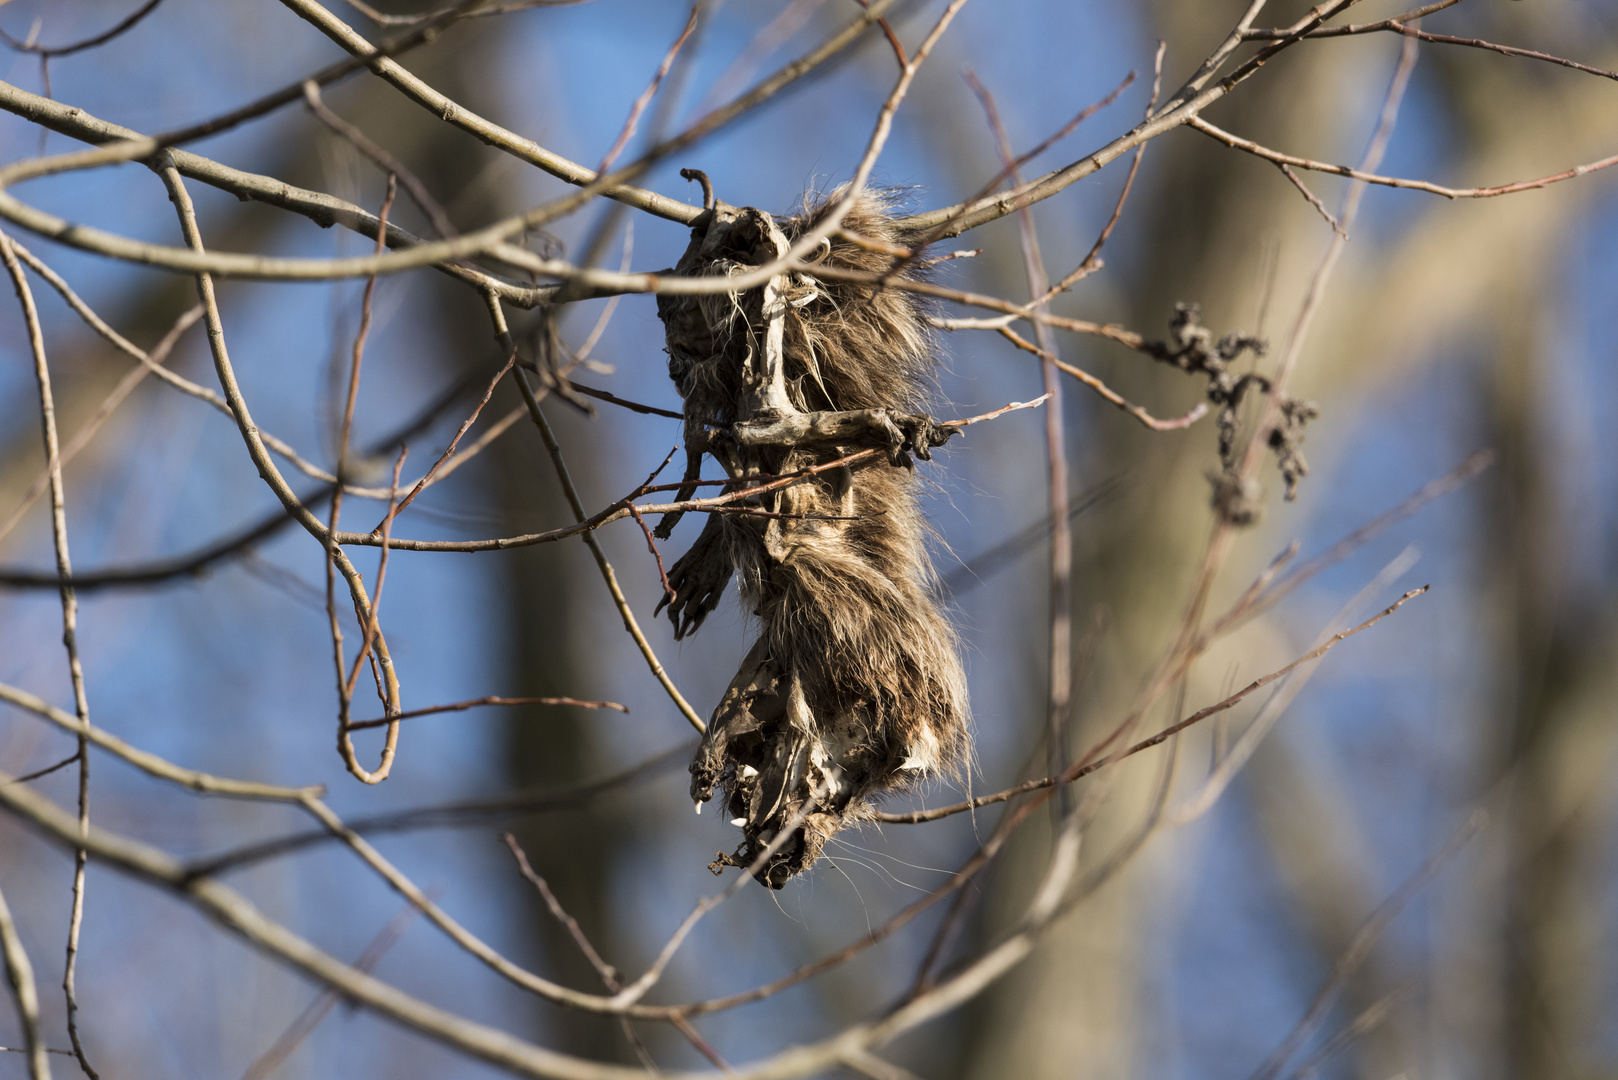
(854, 687)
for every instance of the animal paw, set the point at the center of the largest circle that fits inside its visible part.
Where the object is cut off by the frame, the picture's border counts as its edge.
(698, 579)
(920, 434)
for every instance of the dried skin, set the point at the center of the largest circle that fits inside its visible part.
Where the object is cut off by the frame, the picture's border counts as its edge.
(854, 687)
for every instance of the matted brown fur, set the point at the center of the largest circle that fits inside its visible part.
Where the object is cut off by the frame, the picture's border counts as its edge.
(854, 687)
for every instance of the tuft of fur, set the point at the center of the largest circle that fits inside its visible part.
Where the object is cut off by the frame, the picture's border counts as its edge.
(854, 687)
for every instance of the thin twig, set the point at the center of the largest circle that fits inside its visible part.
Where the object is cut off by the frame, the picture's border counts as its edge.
(1262, 599)
(462, 706)
(1085, 769)
(320, 207)
(368, 625)
(236, 913)
(1360, 947)
(617, 185)
(1399, 24)
(149, 763)
(225, 371)
(777, 32)
(491, 239)
(869, 1065)
(1189, 101)
(1008, 168)
(44, 52)
(1366, 175)
(503, 334)
(392, 166)
(465, 939)
(636, 990)
(1092, 259)
(625, 403)
(449, 451)
(582, 353)
(47, 770)
(1314, 200)
(480, 13)
(447, 815)
(195, 563)
(893, 38)
(109, 404)
(1107, 394)
(607, 973)
(70, 633)
(645, 98)
(1504, 50)
(181, 566)
(1059, 657)
(980, 567)
(1270, 34)
(152, 363)
(1270, 411)
(20, 975)
(651, 544)
(305, 1023)
(1367, 1021)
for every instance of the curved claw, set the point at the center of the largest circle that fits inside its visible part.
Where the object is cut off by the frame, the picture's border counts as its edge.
(921, 434)
(698, 579)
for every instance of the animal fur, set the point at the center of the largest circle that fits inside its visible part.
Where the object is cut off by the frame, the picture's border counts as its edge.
(854, 687)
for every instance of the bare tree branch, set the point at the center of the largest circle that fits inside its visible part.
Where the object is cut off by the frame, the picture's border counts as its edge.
(46, 51)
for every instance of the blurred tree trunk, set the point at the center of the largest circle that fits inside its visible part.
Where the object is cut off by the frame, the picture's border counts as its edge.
(550, 589)
(1073, 1009)
(1553, 662)
(1079, 1006)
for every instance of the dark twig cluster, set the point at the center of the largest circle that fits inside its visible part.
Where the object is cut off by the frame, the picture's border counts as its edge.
(1192, 348)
